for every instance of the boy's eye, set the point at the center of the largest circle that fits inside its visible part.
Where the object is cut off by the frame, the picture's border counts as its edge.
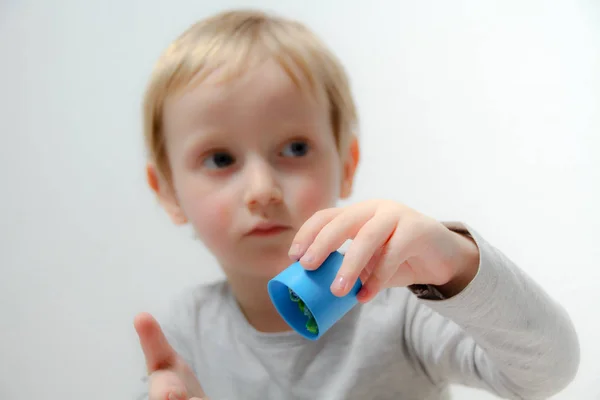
(295, 149)
(219, 160)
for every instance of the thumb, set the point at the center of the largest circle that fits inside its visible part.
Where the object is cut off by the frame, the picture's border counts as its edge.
(158, 352)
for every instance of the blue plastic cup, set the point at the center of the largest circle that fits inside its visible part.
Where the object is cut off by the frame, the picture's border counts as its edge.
(314, 289)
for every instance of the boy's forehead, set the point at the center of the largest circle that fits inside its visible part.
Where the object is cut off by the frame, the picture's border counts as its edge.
(265, 89)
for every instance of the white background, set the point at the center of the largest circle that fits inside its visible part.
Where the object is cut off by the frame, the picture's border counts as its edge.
(481, 111)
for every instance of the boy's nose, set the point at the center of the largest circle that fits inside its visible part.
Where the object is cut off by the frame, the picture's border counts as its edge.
(262, 188)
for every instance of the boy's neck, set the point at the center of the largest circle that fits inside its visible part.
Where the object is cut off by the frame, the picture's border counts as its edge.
(254, 301)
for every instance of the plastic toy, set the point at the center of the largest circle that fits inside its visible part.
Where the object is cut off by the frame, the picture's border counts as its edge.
(304, 299)
(311, 324)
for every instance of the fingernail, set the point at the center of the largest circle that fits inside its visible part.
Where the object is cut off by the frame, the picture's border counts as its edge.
(307, 258)
(339, 284)
(362, 294)
(175, 396)
(294, 251)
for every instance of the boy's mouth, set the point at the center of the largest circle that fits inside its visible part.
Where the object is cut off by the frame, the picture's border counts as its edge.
(267, 229)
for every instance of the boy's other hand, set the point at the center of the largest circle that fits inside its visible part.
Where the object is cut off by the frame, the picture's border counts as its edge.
(393, 245)
(171, 378)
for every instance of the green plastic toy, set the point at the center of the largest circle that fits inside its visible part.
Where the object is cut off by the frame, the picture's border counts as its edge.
(311, 323)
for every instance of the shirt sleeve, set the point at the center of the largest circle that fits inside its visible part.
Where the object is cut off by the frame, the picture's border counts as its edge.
(502, 333)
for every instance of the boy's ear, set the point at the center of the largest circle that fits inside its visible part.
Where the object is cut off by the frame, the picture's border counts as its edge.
(349, 168)
(165, 194)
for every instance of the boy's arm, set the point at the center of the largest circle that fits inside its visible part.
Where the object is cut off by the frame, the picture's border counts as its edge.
(502, 332)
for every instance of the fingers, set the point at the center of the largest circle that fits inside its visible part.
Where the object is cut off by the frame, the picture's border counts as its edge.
(391, 264)
(373, 262)
(191, 381)
(158, 352)
(384, 233)
(310, 229)
(166, 385)
(372, 236)
(331, 235)
(170, 377)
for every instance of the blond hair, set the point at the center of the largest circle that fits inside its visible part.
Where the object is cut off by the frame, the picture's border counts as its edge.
(233, 41)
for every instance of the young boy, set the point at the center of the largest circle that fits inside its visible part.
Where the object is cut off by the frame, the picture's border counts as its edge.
(250, 125)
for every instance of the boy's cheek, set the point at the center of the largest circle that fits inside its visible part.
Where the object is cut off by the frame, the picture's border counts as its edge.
(314, 196)
(212, 218)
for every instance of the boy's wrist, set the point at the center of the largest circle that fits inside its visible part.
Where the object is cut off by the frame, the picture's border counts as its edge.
(466, 266)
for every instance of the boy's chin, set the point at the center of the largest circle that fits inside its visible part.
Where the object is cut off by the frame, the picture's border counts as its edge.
(264, 264)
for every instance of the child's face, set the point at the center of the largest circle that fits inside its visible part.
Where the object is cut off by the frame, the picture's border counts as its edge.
(251, 160)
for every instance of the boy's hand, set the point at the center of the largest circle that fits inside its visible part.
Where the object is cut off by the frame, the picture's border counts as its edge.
(393, 245)
(170, 376)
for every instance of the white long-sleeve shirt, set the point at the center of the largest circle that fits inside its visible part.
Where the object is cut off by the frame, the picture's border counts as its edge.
(502, 333)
